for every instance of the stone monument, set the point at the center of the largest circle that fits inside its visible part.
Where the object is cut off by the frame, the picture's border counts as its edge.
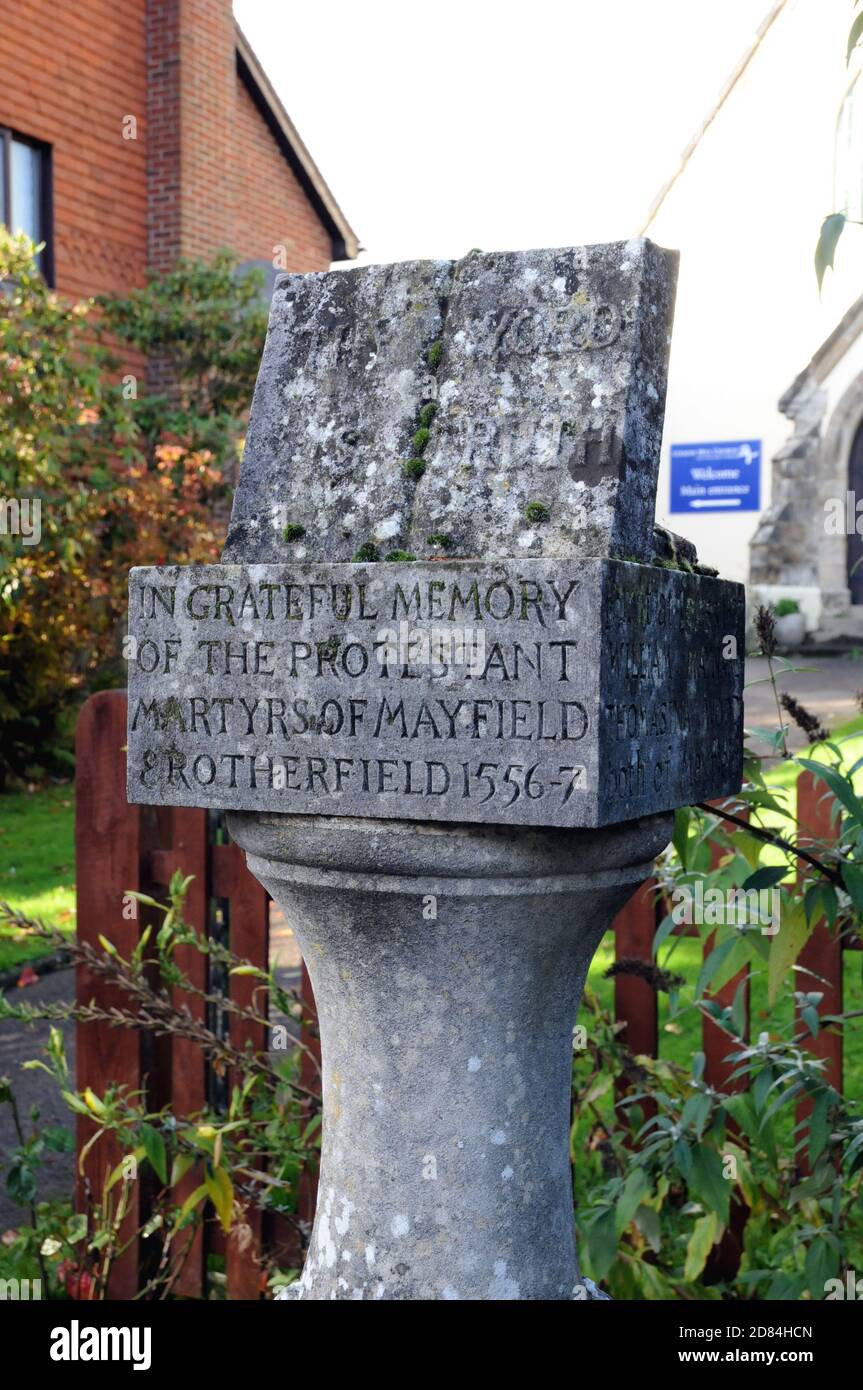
(450, 685)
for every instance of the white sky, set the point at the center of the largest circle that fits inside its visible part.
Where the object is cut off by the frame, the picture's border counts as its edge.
(455, 124)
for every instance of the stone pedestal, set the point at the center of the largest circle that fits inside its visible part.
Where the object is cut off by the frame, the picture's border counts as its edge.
(439, 673)
(448, 964)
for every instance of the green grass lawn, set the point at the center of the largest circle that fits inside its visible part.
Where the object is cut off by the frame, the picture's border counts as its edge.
(37, 864)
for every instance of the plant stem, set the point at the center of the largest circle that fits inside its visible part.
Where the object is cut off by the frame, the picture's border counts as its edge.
(770, 839)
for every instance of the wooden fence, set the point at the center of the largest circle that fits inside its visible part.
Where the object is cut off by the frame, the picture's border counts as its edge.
(121, 848)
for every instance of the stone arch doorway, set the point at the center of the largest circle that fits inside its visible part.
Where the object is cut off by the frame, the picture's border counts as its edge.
(854, 562)
(840, 471)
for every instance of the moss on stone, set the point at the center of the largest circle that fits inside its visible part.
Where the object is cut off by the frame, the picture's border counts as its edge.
(293, 531)
(439, 540)
(414, 467)
(434, 354)
(428, 413)
(537, 512)
(368, 551)
(420, 439)
(168, 713)
(399, 555)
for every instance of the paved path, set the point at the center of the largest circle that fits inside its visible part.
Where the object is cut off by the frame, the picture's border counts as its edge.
(827, 688)
(19, 1042)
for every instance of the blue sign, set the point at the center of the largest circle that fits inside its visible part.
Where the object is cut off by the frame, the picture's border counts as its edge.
(723, 477)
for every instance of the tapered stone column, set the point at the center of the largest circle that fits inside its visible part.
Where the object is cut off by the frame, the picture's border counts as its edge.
(448, 964)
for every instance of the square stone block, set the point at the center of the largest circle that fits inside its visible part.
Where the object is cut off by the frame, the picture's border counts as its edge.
(538, 692)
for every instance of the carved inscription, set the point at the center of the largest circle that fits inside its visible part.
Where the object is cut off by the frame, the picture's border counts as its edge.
(440, 691)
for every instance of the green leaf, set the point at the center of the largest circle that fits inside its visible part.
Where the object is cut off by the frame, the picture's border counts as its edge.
(154, 1148)
(121, 1169)
(76, 1228)
(649, 1224)
(59, 1139)
(191, 1202)
(713, 962)
(766, 877)
(831, 230)
(682, 818)
(794, 931)
(700, 1244)
(821, 1264)
(852, 877)
(602, 1242)
(809, 1014)
(854, 34)
(840, 787)
(708, 1182)
(682, 1155)
(818, 1128)
(736, 960)
(180, 1167)
(21, 1184)
(220, 1190)
(635, 1188)
(820, 900)
(696, 1113)
(738, 1008)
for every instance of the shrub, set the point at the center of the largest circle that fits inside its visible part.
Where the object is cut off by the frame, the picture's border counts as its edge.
(122, 477)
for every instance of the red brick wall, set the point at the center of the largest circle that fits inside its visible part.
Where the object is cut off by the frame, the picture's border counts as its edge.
(272, 209)
(190, 109)
(226, 183)
(69, 73)
(163, 132)
(204, 160)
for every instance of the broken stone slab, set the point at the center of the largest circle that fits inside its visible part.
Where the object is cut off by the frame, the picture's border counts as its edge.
(508, 404)
(535, 692)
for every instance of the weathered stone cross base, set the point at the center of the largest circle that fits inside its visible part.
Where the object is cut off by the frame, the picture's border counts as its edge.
(448, 964)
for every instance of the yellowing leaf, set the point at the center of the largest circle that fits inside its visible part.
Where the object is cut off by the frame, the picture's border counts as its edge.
(786, 946)
(700, 1244)
(93, 1103)
(220, 1190)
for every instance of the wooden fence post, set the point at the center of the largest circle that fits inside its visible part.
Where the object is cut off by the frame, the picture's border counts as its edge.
(185, 1084)
(249, 938)
(310, 1077)
(634, 928)
(817, 814)
(108, 864)
(714, 1040)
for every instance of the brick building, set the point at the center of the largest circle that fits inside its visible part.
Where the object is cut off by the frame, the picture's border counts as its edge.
(132, 134)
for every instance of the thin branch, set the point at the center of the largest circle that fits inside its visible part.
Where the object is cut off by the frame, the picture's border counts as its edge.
(771, 839)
